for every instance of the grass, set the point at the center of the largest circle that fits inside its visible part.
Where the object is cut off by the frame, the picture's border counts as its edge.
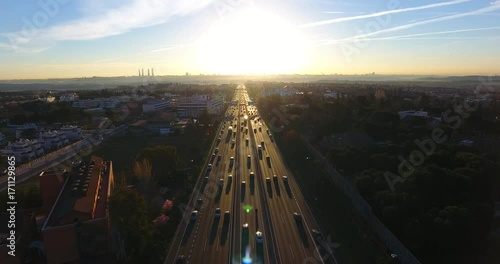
(332, 209)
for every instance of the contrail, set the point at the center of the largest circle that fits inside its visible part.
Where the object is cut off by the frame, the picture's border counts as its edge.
(383, 13)
(493, 7)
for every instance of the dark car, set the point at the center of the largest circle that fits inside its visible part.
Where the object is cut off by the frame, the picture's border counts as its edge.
(297, 217)
(316, 233)
(180, 259)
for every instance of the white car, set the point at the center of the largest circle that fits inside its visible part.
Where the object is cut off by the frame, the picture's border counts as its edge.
(258, 237)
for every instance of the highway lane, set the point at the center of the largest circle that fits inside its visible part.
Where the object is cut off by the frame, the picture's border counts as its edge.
(251, 200)
(192, 238)
(210, 241)
(301, 244)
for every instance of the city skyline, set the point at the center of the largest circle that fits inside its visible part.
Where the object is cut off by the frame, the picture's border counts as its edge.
(66, 39)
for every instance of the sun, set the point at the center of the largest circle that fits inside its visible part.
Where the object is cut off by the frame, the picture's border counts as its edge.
(251, 41)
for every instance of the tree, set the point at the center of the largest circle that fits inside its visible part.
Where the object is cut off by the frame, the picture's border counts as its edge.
(204, 118)
(164, 161)
(111, 115)
(132, 230)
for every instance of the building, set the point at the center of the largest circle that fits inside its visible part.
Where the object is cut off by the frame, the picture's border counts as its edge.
(108, 103)
(194, 105)
(155, 105)
(77, 227)
(24, 150)
(72, 133)
(69, 97)
(3, 140)
(403, 114)
(215, 104)
(52, 140)
(285, 91)
(87, 103)
(160, 128)
(330, 94)
(22, 130)
(49, 99)
(138, 127)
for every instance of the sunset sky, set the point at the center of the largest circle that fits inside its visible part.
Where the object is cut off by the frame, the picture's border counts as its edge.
(77, 38)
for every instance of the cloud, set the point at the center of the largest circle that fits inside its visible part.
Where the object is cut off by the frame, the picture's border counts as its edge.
(363, 37)
(172, 47)
(341, 12)
(383, 13)
(109, 22)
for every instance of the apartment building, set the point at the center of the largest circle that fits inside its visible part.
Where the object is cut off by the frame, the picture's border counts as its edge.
(24, 150)
(52, 140)
(77, 227)
(72, 133)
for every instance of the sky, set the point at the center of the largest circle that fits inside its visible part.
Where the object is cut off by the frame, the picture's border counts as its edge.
(85, 38)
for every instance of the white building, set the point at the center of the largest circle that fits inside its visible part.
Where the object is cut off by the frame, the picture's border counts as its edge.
(403, 114)
(24, 150)
(194, 105)
(330, 94)
(215, 104)
(285, 91)
(69, 97)
(52, 140)
(72, 132)
(155, 105)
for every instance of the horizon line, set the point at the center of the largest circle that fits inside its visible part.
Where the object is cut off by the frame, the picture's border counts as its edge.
(251, 75)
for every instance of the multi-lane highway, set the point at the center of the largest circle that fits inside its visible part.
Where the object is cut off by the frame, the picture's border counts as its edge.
(267, 219)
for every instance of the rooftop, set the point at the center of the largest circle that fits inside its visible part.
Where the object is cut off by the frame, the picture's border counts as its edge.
(139, 123)
(84, 194)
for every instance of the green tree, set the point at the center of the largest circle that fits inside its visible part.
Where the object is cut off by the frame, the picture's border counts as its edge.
(164, 161)
(132, 230)
(204, 118)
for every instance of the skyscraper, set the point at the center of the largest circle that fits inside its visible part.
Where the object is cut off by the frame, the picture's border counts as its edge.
(142, 72)
(148, 73)
(152, 72)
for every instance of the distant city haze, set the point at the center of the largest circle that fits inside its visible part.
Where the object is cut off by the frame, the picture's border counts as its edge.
(72, 39)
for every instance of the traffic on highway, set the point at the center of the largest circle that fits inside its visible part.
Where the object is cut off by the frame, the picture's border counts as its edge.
(246, 206)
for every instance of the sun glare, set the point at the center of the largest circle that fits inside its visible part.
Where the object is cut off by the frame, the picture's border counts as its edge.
(252, 42)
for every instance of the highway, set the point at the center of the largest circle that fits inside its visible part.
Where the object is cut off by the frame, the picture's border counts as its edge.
(254, 197)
